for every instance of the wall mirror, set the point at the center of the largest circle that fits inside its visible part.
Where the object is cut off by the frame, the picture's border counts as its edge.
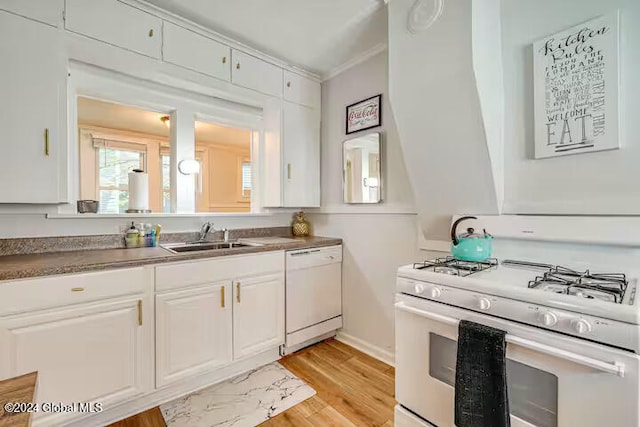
(362, 177)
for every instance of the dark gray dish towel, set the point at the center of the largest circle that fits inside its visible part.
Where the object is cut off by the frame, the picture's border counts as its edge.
(481, 379)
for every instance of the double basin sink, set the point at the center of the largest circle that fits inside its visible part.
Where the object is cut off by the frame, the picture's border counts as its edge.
(204, 246)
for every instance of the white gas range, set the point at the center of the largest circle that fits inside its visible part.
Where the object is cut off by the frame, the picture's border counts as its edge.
(572, 316)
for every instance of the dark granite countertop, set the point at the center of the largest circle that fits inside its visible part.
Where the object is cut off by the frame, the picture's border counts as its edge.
(51, 263)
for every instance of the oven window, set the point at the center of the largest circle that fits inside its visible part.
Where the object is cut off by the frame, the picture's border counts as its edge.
(533, 393)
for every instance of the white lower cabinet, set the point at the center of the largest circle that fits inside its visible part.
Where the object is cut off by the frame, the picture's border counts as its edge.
(193, 331)
(93, 352)
(258, 314)
(99, 337)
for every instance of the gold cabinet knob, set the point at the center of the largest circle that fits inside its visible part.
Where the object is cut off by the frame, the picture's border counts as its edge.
(151, 32)
(224, 59)
(288, 84)
(238, 66)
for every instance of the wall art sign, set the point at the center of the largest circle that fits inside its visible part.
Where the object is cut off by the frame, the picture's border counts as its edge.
(576, 89)
(365, 114)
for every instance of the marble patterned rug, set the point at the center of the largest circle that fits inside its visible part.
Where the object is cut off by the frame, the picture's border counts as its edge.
(243, 401)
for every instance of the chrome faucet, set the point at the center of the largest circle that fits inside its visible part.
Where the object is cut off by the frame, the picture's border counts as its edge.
(204, 231)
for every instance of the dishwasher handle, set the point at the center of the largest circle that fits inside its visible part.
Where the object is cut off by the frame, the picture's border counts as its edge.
(306, 252)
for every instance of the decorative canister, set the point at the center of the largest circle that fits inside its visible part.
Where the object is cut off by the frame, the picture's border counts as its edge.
(301, 226)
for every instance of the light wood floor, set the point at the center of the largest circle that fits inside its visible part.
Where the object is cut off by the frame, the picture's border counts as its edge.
(352, 388)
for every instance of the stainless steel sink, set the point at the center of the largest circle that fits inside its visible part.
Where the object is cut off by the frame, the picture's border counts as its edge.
(204, 246)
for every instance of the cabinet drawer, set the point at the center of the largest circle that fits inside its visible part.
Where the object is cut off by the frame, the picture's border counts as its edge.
(57, 291)
(301, 90)
(116, 23)
(253, 73)
(190, 50)
(199, 272)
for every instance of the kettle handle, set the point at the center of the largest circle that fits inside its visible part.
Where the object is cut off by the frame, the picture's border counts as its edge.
(454, 237)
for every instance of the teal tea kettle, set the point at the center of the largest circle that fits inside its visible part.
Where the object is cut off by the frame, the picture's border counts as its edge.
(470, 246)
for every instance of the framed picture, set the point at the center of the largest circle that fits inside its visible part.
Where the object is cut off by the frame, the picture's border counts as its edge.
(364, 114)
(576, 89)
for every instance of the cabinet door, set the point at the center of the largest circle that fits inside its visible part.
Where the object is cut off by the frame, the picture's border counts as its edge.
(190, 50)
(253, 73)
(258, 314)
(301, 90)
(116, 23)
(301, 143)
(32, 112)
(92, 352)
(45, 11)
(193, 331)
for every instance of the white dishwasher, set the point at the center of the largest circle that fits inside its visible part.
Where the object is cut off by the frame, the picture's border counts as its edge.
(314, 294)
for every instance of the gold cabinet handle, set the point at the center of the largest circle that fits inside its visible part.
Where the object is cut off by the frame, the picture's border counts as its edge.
(140, 312)
(222, 297)
(238, 66)
(224, 59)
(238, 292)
(288, 84)
(77, 289)
(46, 142)
(288, 170)
(151, 32)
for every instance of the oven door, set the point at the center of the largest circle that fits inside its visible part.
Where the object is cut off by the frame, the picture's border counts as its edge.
(553, 380)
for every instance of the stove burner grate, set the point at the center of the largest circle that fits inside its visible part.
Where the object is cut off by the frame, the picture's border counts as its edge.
(562, 280)
(455, 267)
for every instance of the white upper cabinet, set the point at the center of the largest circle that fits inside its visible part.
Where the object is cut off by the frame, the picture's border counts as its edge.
(32, 112)
(116, 23)
(45, 11)
(253, 73)
(301, 90)
(195, 52)
(301, 154)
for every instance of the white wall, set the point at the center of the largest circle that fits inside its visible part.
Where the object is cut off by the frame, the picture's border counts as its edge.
(377, 238)
(434, 94)
(594, 183)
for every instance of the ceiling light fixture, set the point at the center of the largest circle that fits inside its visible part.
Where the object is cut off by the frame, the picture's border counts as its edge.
(166, 120)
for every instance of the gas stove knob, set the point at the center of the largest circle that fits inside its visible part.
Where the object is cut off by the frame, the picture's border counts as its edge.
(484, 303)
(549, 318)
(419, 288)
(435, 292)
(581, 326)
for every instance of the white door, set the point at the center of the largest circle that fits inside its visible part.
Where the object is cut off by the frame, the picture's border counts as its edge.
(116, 23)
(45, 11)
(193, 331)
(203, 55)
(552, 380)
(301, 142)
(89, 353)
(253, 73)
(32, 112)
(301, 90)
(258, 314)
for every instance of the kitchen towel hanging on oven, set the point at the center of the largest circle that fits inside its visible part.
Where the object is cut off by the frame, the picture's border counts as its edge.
(481, 379)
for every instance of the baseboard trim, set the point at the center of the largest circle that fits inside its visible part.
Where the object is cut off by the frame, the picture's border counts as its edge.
(367, 348)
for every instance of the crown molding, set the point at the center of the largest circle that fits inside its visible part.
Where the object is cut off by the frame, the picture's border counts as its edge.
(358, 59)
